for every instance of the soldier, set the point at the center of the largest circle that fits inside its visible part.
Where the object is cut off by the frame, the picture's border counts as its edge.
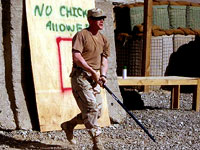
(90, 51)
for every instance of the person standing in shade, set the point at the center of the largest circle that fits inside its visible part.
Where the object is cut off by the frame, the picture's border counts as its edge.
(90, 51)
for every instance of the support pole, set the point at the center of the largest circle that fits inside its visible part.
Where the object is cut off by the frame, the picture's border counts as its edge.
(148, 12)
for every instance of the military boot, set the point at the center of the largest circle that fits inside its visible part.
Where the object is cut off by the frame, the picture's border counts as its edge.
(95, 133)
(68, 127)
(97, 143)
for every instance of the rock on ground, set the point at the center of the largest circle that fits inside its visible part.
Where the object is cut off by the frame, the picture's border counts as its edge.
(172, 129)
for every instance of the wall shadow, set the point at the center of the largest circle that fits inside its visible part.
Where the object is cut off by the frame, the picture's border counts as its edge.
(185, 62)
(6, 27)
(27, 74)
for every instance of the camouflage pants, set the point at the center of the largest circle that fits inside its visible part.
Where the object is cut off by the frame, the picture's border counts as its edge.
(88, 98)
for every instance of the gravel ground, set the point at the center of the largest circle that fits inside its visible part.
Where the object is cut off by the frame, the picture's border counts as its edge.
(172, 129)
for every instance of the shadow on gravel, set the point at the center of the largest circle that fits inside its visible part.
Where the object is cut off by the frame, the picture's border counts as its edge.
(131, 98)
(13, 143)
(157, 108)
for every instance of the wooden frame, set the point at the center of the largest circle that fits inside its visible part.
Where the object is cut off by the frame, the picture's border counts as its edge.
(148, 12)
(173, 81)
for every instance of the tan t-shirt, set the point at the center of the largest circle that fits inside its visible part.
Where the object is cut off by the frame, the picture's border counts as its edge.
(92, 47)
